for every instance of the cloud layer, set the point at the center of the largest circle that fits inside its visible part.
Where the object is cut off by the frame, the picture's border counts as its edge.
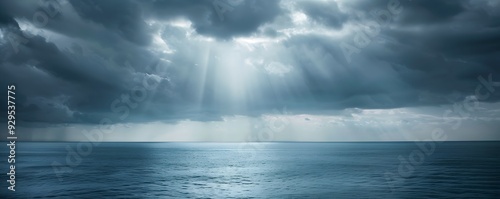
(82, 62)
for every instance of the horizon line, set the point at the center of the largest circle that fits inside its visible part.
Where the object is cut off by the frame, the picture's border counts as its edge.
(19, 141)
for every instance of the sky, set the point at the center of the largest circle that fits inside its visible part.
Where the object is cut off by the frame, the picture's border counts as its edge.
(252, 71)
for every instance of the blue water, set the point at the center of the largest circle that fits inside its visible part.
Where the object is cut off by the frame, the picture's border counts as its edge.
(258, 170)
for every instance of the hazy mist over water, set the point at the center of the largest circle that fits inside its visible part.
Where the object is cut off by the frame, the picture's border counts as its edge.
(266, 170)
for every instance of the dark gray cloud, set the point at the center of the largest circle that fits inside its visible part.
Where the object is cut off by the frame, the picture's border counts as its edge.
(327, 13)
(221, 19)
(125, 18)
(91, 59)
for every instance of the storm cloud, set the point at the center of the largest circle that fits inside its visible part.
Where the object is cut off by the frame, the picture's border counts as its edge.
(172, 61)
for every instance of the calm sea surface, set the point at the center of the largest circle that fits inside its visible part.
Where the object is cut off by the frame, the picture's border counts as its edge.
(255, 170)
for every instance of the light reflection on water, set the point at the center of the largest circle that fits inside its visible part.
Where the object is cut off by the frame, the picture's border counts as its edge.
(275, 170)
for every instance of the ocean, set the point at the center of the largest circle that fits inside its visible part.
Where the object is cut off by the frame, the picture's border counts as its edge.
(255, 170)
